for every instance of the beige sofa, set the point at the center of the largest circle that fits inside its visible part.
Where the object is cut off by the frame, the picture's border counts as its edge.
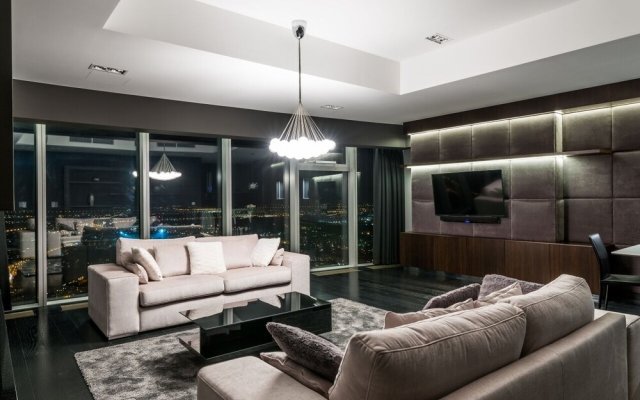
(542, 345)
(120, 306)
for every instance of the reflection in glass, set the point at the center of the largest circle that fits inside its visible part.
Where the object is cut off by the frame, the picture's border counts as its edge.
(21, 223)
(188, 205)
(323, 218)
(259, 197)
(92, 200)
(365, 206)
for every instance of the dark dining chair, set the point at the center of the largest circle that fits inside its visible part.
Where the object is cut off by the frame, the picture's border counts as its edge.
(606, 277)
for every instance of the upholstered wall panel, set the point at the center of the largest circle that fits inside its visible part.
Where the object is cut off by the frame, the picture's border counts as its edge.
(532, 135)
(425, 147)
(626, 174)
(533, 220)
(533, 178)
(455, 144)
(626, 127)
(587, 177)
(490, 139)
(456, 228)
(424, 217)
(587, 216)
(501, 230)
(421, 185)
(587, 130)
(626, 218)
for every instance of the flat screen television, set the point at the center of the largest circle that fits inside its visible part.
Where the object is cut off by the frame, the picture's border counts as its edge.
(469, 194)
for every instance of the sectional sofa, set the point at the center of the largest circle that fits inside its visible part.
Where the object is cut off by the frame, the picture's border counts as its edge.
(541, 345)
(120, 306)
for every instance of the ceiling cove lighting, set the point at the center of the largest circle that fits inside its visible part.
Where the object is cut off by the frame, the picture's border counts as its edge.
(164, 170)
(301, 138)
(438, 38)
(110, 70)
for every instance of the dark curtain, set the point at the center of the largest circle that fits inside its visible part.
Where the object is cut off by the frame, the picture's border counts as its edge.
(388, 205)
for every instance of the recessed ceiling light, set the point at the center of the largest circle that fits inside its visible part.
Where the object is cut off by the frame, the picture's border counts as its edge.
(110, 70)
(438, 38)
(332, 107)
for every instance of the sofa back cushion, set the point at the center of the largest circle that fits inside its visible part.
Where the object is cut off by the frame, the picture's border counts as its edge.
(417, 361)
(124, 245)
(554, 311)
(236, 249)
(172, 258)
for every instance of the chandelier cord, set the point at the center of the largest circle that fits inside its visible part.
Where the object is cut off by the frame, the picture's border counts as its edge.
(299, 73)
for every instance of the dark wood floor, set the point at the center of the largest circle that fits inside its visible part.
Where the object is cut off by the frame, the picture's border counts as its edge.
(43, 344)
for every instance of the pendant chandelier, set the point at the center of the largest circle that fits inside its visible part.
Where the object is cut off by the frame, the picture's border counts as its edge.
(164, 170)
(301, 138)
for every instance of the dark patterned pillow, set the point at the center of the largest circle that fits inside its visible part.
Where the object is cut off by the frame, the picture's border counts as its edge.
(494, 282)
(309, 350)
(454, 296)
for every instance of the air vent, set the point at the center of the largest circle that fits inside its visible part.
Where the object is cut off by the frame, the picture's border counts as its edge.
(110, 70)
(332, 107)
(438, 38)
(186, 145)
(102, 141)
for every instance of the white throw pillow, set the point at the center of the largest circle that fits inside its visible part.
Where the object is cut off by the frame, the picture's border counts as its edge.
(137, 269)
(264, 251)
(206, 258)
(146, 260)
(278, 258)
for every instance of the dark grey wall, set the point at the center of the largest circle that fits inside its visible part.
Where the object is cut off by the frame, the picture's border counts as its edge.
(42, 102)
(6, 127)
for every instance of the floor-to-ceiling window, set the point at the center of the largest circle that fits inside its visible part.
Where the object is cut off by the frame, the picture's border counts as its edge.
(189, 205)
(365, 206)
(21, 224)
(260, 196)
(91, 201)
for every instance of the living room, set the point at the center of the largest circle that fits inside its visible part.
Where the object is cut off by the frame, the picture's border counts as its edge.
(217, 199)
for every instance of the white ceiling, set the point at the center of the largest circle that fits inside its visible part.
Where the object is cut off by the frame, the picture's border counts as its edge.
(368, 56)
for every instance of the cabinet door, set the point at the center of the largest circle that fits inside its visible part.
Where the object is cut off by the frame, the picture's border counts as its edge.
(578, 260)
(450, 254)
(528, 261)
(416, 250)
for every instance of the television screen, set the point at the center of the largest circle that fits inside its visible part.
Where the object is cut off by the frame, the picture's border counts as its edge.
(476, 193)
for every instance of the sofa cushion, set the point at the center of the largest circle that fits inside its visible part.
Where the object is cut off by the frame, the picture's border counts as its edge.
(250, 378)
(307, 377)
(144, 258)
(172, 258)
(392, 319)
(554, 311)
(239, 279)
(493, 282)
(141, 273)
(206, 258)
(264, 251)
(454, 296)
(179, 288)
(416, 361)
(124, 245)
(504, 293)
(307, 349)
(237, 249)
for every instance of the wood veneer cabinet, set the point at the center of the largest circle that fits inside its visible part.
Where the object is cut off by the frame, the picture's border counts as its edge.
(532, 261)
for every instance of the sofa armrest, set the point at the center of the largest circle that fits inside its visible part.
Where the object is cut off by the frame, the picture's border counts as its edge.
(113, 300)
(250, 378)
(300, 266)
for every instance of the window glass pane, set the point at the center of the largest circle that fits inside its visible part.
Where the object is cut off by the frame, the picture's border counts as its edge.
(260, 192)
(21, 223)
(92, 200)
(323, 217)
(365, 206)
(337, 156)
(190, 204)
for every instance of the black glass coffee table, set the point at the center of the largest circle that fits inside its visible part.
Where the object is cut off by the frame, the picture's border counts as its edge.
(236, 329)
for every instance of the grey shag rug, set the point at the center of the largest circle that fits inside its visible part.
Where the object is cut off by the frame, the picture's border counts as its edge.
(160, 368)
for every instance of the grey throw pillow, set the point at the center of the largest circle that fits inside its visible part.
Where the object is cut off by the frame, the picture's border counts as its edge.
(454, 296)
(492, 283)
(309, 350)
